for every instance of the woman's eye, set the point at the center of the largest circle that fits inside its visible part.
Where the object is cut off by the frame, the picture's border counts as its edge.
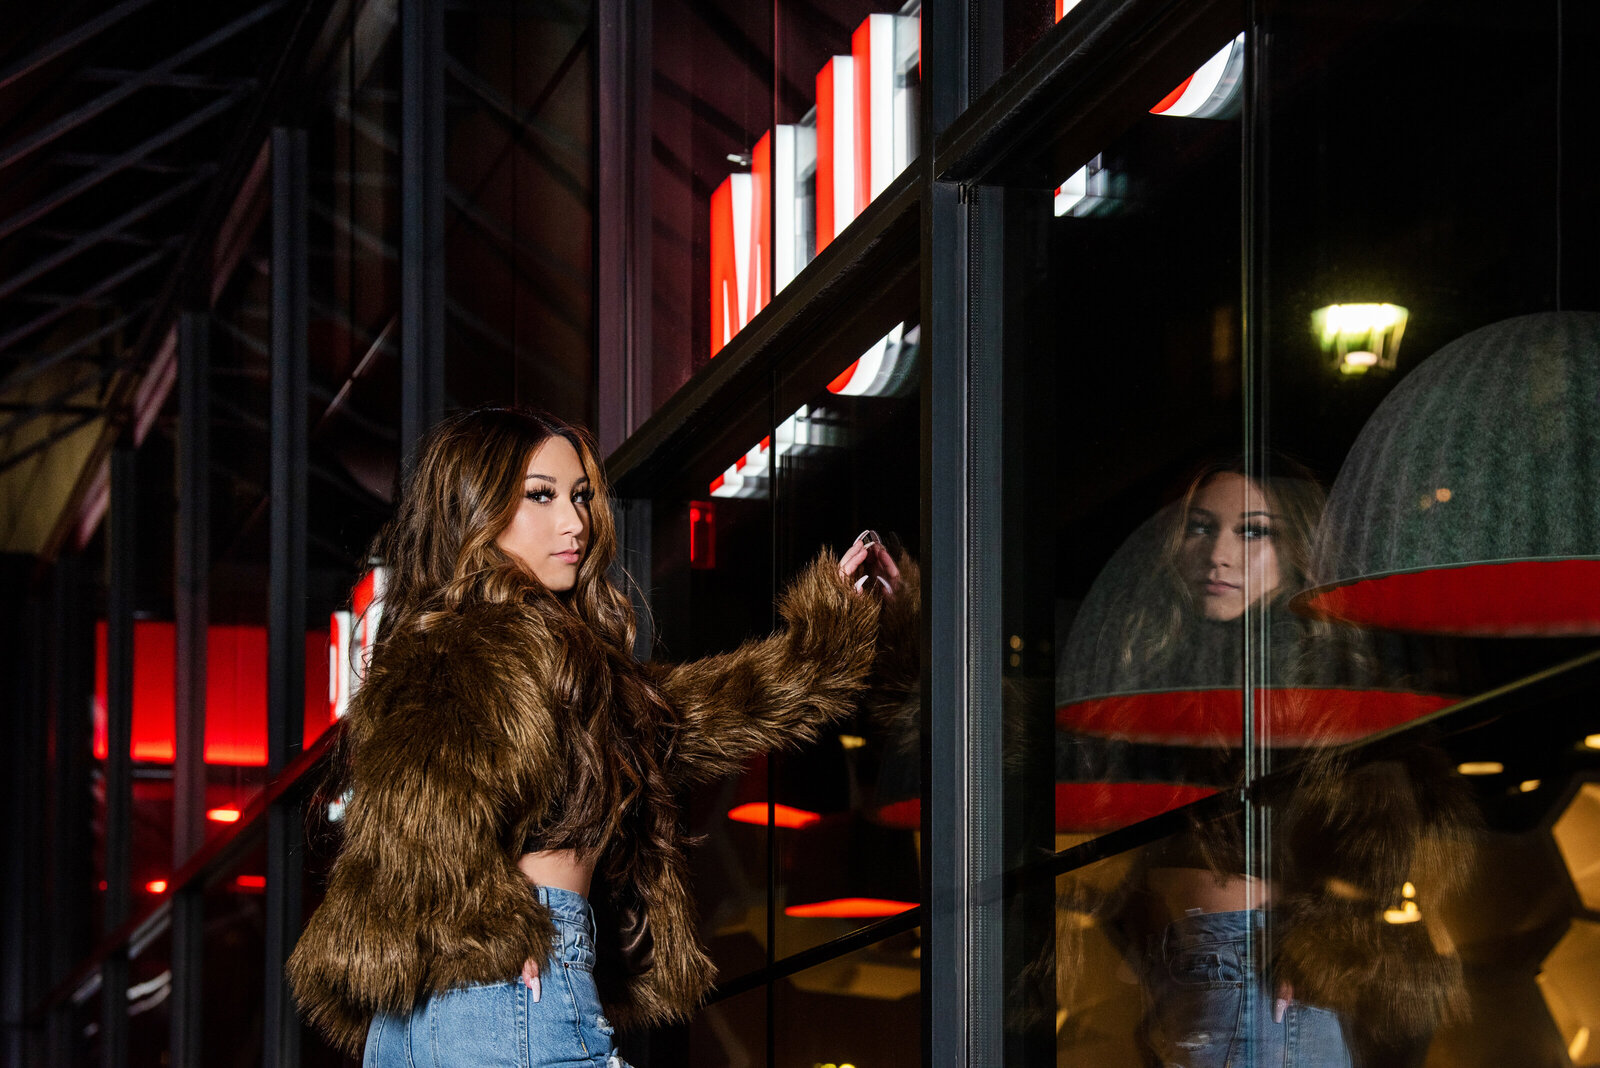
(1197, 528)
(540, 496)
(1252, 533)
(583, 496)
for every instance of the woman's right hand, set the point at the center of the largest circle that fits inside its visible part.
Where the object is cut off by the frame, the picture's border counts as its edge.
(869, 556)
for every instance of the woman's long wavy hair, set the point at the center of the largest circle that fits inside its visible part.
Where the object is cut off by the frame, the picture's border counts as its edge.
(442, 556)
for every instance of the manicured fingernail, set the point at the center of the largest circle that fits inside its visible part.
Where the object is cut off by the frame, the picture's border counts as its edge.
(533, 985)
(1279, 1007)
(861, 582)
(885, 583)
(868, 537)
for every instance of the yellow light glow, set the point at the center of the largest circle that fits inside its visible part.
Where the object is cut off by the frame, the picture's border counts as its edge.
(1579, 1045)
(1593, 741)
(1528, 786)
(1406, 913)
(1360, 336)
(1350, 319)
(1016, 641)
(1408, 891)
(1442, 494)
(1481, 767)
(852, 741)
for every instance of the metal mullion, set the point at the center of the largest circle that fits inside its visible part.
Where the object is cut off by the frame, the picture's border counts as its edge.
(109, 99)
(121, 565)
(622, 218)
(110, 230)
(71, 858)
(192, 610)
(422, 203)
(286, 607)
(118, 163)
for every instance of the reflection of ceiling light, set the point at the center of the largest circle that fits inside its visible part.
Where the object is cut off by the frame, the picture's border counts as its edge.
(1593, 741)
(1481, 767)
(1529, 786)
(228, 814)
(156, 886)
(1408, 912)
(1359, 337)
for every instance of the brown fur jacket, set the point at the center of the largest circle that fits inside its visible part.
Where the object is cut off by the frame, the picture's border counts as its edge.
(457, 748)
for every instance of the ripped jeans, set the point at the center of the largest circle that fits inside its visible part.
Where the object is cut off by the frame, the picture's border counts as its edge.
(499, 1024)
(1211, 1005)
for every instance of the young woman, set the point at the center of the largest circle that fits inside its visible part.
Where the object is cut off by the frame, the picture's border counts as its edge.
(509, 762)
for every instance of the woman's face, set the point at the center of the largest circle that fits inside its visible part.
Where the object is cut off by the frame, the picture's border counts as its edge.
(1227, 555)
(550, 531)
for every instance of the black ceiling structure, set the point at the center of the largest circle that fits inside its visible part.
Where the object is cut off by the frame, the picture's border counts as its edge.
(127, 132)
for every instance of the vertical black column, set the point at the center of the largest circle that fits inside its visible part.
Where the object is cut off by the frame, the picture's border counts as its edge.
(122, 560)
(622, 218)
(961, 593)
(23, 686)
(192, 610)
(72, 875)
(422, 140)
(286, 608)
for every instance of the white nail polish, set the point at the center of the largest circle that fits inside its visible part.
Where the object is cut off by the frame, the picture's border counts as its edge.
(1280, 1007)
(534, 986)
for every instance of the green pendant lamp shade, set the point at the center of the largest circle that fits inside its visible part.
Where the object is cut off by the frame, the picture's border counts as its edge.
(1470, 502)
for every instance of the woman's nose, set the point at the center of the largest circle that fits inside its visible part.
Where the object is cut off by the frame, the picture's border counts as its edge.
(1224, 553)
(571, 519)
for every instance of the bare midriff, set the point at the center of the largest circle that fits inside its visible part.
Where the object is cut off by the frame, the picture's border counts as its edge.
(1187, 890)
(567, 869)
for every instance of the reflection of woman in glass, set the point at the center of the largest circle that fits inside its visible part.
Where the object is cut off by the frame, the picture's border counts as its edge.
(509, 761)
(1238, 547)
(1149, 674)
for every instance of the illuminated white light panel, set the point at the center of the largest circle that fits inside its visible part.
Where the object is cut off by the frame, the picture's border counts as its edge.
(1212, 87)
(1079, 194)
(794, 163)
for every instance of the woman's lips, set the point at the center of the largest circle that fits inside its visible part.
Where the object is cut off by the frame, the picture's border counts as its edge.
(1213, 588)
(569, 556)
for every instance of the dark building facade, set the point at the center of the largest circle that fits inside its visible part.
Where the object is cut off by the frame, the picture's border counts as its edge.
(1229, 370)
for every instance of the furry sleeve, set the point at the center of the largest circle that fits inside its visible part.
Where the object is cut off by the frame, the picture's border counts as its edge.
(781, 690)
(453, 742)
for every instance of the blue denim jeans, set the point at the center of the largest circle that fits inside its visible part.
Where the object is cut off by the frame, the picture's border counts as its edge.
(1211, 1006)
(499, 1025)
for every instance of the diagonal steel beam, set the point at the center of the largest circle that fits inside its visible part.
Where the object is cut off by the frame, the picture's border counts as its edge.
(207, 82)
(57, 402)
(154, 144)
(15, 458)
(67, 42)
(32, 365)
(106, 232)
(109, 99)
(99, 289)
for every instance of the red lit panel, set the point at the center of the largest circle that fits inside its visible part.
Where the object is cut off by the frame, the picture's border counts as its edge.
(850, 908)
(1288, 717)
(782, 815)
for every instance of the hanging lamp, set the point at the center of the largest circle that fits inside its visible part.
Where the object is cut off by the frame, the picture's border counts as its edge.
(1470, 502)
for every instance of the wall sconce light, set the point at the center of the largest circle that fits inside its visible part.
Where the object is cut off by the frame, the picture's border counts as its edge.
(1360, 337)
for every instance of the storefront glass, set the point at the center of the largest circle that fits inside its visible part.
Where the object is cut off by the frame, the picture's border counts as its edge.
(1315, 436)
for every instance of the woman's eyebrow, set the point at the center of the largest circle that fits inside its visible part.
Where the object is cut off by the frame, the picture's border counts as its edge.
(1268, 515)
(531, 476)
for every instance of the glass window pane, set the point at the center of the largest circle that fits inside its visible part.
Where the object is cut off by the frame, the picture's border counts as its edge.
(869, 1000)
